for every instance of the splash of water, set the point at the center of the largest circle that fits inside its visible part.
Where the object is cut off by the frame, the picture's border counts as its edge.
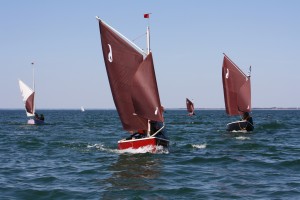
(199, 146)
(242, 138)
(145, 149)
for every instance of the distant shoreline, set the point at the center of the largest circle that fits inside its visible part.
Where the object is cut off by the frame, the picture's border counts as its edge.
(273, 108)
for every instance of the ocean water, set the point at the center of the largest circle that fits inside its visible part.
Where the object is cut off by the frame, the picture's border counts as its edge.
(74, 156)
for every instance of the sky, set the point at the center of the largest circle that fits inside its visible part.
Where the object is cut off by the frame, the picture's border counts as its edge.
(188, 39)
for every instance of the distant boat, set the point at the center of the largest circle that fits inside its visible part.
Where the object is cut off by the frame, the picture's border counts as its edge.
(82, 109)
(190, 107)
(237, 94)
(29, 101)
(134, 89)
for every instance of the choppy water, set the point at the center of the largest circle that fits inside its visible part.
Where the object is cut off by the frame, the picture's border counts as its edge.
(75, 156)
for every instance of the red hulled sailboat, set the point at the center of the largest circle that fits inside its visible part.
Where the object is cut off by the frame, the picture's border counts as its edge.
(133, 84)
(237, 95)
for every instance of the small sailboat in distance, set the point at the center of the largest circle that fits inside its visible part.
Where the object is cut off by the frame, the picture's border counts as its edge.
(29, 101)
(134, 89)
(237, 95)
(82, 109)
(190, 107)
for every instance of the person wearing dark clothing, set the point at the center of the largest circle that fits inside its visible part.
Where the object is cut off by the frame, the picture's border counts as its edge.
(139, 134)
(155, 126)
(248, 118)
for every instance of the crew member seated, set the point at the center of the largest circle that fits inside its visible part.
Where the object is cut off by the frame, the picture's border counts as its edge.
(155, 126)
(248, 118)
(139, 134)
(42, 117)
(37, 117)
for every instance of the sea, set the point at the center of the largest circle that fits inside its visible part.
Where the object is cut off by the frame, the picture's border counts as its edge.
(74, 155)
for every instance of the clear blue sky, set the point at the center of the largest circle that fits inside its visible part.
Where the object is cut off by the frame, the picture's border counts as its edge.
(187, 41)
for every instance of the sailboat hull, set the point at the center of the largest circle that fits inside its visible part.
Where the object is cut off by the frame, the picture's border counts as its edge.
(35, 122)
(191, 114)
(151, 142)
(239, 126)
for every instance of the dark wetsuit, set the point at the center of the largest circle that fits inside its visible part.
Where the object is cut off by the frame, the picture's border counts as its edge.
(250, 126)
(155, 126)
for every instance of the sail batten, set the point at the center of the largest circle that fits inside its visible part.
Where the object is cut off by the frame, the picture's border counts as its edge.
(237, 88)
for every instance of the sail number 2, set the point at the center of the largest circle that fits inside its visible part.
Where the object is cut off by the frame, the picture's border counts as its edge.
(110, 57)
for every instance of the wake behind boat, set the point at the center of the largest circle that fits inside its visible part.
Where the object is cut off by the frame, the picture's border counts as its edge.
(237, 95)
(134, 89)
(28, 95)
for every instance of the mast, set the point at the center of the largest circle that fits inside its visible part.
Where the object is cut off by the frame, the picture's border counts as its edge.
(148, 39)
(148, 52)
(33, 76)
(33, 85)
(147, 16)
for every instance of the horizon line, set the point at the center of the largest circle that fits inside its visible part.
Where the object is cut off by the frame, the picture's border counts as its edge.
(174, 108)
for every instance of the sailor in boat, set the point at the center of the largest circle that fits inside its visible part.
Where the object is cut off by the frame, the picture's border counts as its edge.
(36, 116)
(248, 118)
(137, 135)
(157, 126)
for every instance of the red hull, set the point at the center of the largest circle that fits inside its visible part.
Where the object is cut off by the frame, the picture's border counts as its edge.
(143, 142)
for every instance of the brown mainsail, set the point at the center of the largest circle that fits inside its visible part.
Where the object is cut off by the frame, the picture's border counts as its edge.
(132, 80)
(122, 61)
(237, 88)
(189, 106)
(29, 105)
(144, 92)
(28, 98)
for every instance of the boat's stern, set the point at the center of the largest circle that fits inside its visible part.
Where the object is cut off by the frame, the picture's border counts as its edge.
(150, 142)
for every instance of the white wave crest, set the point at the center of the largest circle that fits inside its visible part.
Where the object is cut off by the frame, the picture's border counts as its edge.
(242, 138)
(97, 146)
(101, 147)
(239, 131)
(145, 149)
(199, 146)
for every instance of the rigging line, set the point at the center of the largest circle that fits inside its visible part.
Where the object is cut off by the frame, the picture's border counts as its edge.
(139, 37)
